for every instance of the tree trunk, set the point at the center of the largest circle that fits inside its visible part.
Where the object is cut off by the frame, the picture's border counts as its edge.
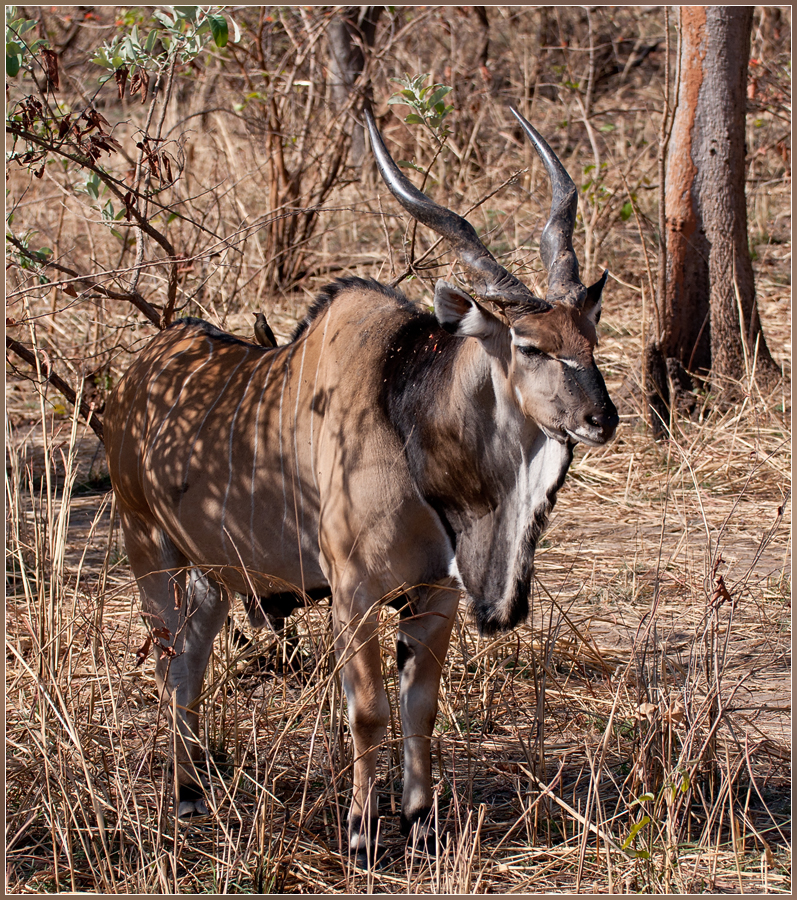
(707, 318)
(353, 28)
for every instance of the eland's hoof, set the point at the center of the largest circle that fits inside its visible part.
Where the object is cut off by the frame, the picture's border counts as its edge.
(422, 838)
(374, 859)
(192, 809)
(366, 850)
(191, 802)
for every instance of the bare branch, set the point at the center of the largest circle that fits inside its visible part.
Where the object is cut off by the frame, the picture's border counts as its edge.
(86, 410)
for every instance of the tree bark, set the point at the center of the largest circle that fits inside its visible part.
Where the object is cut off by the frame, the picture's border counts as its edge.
(707, 318)
(352, 29)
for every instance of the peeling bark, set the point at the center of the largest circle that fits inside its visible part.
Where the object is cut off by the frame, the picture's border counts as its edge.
(708, 315)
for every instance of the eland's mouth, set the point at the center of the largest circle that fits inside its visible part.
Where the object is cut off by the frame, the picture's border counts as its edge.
(592, 438)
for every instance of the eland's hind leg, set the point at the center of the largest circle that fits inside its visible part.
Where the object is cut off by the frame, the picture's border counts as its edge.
(184, 621)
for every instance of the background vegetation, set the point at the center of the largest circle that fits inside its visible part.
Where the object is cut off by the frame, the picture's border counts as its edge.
(634, 735)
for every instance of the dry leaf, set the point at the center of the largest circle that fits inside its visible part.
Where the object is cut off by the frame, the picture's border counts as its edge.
(51, 68)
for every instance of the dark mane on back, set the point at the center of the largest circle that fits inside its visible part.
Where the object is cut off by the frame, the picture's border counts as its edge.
(209, 329)
(331, 291)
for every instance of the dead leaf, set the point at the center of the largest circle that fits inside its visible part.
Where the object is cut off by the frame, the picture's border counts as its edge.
(721, 594)
(51, 68)
(675, 713)
(143, 651)
(120, 76)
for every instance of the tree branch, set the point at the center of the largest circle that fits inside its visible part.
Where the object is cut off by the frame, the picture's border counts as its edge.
(127, 296)
(60, 385)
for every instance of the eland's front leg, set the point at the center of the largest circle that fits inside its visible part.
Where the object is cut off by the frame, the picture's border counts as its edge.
(423, 637)
(357, 648)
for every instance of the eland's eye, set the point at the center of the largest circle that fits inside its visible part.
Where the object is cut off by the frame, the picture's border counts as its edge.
(531, 352)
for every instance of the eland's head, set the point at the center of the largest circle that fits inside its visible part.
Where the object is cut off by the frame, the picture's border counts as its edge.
(545, 345)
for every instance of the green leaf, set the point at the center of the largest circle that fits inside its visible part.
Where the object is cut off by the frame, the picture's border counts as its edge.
(172, 217)
(685, 782)
(151, 38)
(438, 95)
(627, 211)
(164, 18)
(412, 119)
(93, 186)
(12, 65)
(645, 820)
(607, 127)
(218, 26)
(187, 12)
(406, 164)
(396, 98)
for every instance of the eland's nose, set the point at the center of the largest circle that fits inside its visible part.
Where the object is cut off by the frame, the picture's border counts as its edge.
(606, 420)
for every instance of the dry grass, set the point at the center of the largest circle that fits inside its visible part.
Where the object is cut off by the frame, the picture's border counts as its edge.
(644, 696)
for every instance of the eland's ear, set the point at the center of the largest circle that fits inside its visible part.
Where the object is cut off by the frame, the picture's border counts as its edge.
(461, 315)
(592, 305)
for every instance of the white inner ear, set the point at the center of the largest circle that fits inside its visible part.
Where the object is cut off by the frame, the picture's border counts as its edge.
(460, 314)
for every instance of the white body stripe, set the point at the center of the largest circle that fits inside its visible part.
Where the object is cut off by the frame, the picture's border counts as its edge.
(256, 446)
